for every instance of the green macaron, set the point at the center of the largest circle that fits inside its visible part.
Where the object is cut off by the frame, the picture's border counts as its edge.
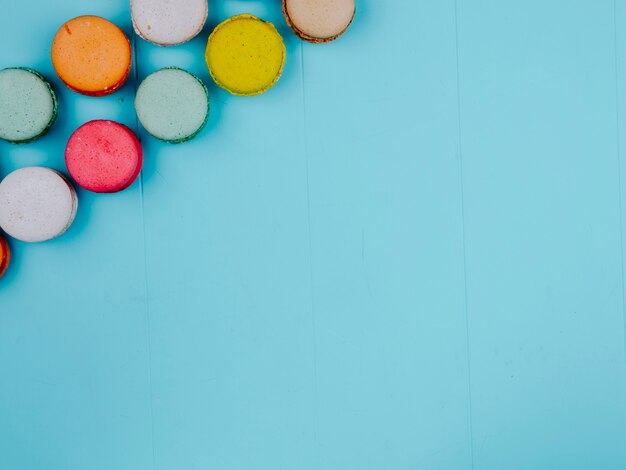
(28, 105)
(172, 105)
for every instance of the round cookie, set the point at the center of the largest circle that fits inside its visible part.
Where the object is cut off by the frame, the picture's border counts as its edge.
(5, 255)
(168, 22)
(172, 105)
(28, 105)
(91, 55)
(36, 204)
(319, 21)
(103, 156)
(245, 55)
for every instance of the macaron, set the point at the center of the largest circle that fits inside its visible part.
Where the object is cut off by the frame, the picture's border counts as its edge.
(319, 21)
(168, 22)
(5, 255)
(103, 156)
(36, 204)
(172, 105)
(245, 55)
(28, 105)
(91, 55)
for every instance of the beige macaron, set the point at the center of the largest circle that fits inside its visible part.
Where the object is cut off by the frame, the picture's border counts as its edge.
(319, 21)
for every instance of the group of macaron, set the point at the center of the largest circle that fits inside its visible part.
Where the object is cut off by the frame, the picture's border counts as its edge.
(92, 56)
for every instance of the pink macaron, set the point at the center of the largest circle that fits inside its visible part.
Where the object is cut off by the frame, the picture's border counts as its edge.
(104, 156)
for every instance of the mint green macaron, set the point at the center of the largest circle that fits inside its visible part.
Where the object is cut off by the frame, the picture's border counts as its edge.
(172, 105)
(28, 105)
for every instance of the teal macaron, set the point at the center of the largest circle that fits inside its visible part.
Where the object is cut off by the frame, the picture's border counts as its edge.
(28, 105)
(172, 105)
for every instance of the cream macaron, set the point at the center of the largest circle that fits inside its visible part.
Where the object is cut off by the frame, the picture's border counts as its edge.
(319, 21)
(168, 22)
(36, 204)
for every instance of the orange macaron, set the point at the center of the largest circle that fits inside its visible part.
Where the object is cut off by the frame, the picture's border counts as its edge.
(5, 255)
(91, 55)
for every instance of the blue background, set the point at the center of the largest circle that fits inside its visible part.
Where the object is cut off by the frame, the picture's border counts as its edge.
(406, 255)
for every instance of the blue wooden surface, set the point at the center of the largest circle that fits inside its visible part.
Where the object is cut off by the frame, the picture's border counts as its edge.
(406, 255)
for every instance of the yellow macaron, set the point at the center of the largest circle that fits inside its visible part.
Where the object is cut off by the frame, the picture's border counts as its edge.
(245, 55)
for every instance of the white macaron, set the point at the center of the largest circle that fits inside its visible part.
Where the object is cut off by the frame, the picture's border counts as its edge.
(168, 22)
(36, 204)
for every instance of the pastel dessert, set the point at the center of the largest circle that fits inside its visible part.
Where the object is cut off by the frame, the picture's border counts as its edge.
(36, 204)
(168, 22)
(104, 156)
(5, 255)
(245, 55)
(28, 105)
(172, 105)
(319, 21)
(91, 55)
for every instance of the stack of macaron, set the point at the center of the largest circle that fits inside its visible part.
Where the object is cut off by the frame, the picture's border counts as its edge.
(92, 56)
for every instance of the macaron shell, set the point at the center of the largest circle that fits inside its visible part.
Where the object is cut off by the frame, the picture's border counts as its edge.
(36, 204)
(172, 105)
(104, 156)
(5, 255)
(108, 91)
(319, 21)
(74, 210)
(28, 105)
(74, 199)
(91, 55)
(168, 22)
(245, 55)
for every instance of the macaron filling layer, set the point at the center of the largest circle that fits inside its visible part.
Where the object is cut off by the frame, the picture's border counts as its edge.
(28, 105)
(104, 156)
(172, 105)
(91, 55)
(319, 21)
(168, 22)
(245, 55)
(36, 204)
